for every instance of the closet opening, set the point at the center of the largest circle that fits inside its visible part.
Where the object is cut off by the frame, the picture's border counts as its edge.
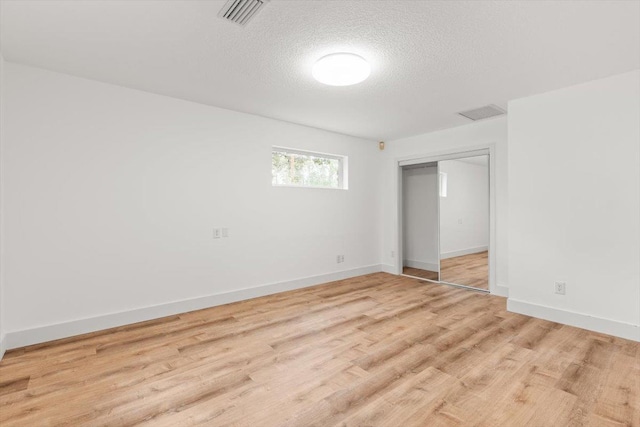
(445, 219)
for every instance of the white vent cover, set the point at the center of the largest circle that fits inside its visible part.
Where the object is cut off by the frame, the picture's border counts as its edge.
(241, 11)
(483, 112)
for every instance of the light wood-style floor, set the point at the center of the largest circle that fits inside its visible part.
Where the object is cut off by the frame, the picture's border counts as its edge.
(376, 350)
(418, 272)
(470, 270)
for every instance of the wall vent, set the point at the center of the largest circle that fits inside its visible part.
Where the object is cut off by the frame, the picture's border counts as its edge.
(483, 112)
(241, 11)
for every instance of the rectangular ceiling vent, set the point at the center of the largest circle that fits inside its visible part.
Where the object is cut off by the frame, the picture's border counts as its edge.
(241, 11)
(483, 112)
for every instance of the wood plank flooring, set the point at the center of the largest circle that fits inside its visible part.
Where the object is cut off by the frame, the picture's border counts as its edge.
(376, 350)
(470, 270)
(417, 272)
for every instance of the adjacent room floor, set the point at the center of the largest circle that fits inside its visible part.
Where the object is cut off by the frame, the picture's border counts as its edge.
(376, 350)
(469, 270)
(418, 272)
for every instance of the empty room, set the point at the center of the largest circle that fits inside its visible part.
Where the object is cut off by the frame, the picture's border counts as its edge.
(292, 213)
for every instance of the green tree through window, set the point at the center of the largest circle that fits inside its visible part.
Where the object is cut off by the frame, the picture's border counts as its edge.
(304, 169)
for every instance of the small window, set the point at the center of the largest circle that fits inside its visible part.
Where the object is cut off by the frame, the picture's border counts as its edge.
(308, 169)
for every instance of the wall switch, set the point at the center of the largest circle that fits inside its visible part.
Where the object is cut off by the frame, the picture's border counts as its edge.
(225, 232)
(216, 233)
(561, 288)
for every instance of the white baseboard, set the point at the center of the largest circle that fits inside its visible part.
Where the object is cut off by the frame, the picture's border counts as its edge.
(428, 266)
(3, 346)
(462, 252)
(501, 291)
(77, 327)
(580, 320)
(387, 268)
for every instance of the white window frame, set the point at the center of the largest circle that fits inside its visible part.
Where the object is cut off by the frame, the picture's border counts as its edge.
(343, 162)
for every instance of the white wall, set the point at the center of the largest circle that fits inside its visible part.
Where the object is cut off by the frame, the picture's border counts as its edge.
(464, 213)
(574, 204)
(111, 196)
(420, 218)
(2, 311)
(457, 139)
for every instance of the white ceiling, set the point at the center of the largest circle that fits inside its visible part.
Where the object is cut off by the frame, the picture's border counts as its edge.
(430, 59)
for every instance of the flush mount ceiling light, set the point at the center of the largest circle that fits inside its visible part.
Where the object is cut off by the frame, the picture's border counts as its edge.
(341, 69)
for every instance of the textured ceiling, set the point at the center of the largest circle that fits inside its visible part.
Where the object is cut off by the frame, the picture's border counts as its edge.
(430, 59)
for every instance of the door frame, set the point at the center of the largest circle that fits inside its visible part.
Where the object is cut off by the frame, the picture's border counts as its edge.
(452, 154)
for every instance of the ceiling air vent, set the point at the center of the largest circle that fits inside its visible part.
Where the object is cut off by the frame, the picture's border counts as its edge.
(241, 11)
(483, 112)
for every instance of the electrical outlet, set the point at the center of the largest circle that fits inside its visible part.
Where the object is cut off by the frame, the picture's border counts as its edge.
(338, 259)
(341, 258)
(459, 220)
(561, 288)
(225, 232)
(393, 254)
(216, 233)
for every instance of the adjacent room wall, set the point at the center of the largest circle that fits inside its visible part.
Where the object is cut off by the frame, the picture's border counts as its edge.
(111, 196)
(420, 218)
(463, 220)
(2, 311)
(461, 138)
(464, 213)
(574, 205)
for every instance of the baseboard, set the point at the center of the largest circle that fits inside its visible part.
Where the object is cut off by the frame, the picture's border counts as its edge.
(580, 320)
(77, 327)
(428, 266)
(462, 252)
(501, 291)
(387, 268)
(3, 346)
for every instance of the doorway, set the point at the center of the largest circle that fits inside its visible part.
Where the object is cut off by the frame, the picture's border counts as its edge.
(446, 216)
(421, 249)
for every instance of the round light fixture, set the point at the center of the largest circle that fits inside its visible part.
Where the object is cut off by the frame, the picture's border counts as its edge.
(341, 69)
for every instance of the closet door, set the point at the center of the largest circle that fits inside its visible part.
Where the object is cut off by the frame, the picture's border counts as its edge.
(420, 221)
(464, 221)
